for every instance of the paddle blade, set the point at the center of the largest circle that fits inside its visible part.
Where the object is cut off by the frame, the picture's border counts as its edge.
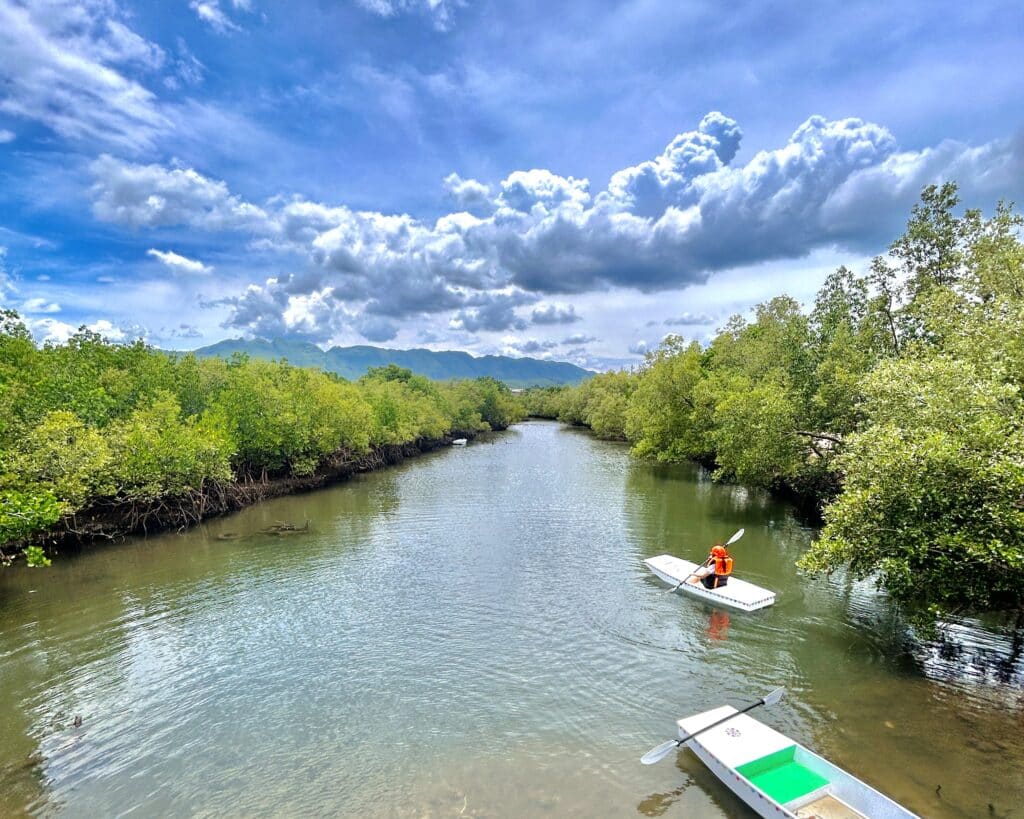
(774, 697)
(735, 537)
(659, 753)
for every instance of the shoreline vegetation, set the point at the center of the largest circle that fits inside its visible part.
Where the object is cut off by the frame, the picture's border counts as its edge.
(894, 407)
(100, 440)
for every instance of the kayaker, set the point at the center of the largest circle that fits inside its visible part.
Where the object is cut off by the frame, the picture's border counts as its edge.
(716, 569)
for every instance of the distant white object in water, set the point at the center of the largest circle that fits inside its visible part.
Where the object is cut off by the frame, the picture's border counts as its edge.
(459, 442)
(737, 594)
(778, 777)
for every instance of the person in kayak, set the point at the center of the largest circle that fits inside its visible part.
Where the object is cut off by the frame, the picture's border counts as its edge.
(716, 569)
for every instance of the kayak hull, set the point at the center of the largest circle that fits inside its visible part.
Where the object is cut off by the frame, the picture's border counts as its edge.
(737, 594)
(776, 776)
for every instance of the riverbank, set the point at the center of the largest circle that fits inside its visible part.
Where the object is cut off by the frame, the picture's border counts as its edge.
(114, 519)
(496, 591)
(808, 501)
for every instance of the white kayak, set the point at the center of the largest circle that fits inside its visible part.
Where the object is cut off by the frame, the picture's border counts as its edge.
(779, 777)
(737, 593)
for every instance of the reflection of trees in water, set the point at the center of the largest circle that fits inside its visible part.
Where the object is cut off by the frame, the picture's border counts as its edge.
(678, 508)
(97, 612)
(987, 650)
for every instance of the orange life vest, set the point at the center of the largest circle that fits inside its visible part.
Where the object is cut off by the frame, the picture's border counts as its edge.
(723, 566)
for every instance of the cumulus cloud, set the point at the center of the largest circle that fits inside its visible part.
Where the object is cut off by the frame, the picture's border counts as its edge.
(554, 314)
(639, 347)
(376, 328)
(54, 330)
(39, 305)
(177, 262)
(493, 312)
(544, 191)
(6, 136)
(154, 196)
(63, 63)
(663, 224)
(469, 194)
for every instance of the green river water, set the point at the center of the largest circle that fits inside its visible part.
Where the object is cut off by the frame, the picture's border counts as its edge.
(474, 633)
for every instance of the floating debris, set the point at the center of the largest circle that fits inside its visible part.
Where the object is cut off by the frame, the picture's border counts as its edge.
(283, 529)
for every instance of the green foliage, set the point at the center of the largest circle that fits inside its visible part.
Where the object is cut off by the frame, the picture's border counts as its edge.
(24, 513)
(494, 401)
(896, 402)
(156, 452)
(542, 402)
(599, 403)
(669, 416)
(36, 557)
(754, 432)
(933, 499)
(92, 422)
(66, 457)
(283, 418)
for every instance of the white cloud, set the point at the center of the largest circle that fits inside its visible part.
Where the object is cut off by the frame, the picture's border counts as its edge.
(7, 136)
(39, 305)
(62, 64)
(6, 285)
(210, 12)
(186, 67)
(579, 339)
(177, 262)
(688, 319)
(554, 314)
(439, 12)
(153, 196)
(54, 330)
(664, 224)
(529, 347)
(470, 194)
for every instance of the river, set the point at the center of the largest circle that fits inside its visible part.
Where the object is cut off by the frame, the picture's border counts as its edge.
(473, 633)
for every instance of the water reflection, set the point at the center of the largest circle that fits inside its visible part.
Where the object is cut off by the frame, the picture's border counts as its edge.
(473, 633)
(718, 625)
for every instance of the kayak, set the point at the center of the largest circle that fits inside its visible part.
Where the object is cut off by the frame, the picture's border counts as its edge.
(779, 777)
(459, 442)
(737, 594)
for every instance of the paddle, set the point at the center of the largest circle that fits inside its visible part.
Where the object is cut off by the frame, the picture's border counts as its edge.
(729, 542)
(663, 750)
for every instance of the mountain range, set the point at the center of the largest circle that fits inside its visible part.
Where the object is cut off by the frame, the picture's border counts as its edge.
(353, 362)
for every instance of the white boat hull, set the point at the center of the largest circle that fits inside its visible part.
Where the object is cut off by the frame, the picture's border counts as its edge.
(737, 594)
(743, 741)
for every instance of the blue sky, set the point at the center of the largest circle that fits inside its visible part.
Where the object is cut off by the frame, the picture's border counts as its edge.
(569, 180)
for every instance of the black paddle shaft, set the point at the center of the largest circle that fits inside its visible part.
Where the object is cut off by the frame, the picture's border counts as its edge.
(687, 738)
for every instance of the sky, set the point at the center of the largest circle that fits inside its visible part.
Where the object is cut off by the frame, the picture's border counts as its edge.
(568, 180)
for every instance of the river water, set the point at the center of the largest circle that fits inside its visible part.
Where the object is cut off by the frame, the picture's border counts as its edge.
(474, 633)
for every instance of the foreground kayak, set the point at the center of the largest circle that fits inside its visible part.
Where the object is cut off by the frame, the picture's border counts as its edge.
(778, 777)
(737, 593)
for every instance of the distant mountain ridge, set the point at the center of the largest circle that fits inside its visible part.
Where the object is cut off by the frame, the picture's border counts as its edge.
(353, 362)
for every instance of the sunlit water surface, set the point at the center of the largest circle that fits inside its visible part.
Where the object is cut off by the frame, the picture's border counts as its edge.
(474, 634)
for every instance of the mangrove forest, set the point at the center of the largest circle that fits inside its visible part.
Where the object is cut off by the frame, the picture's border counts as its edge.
(893, 406)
